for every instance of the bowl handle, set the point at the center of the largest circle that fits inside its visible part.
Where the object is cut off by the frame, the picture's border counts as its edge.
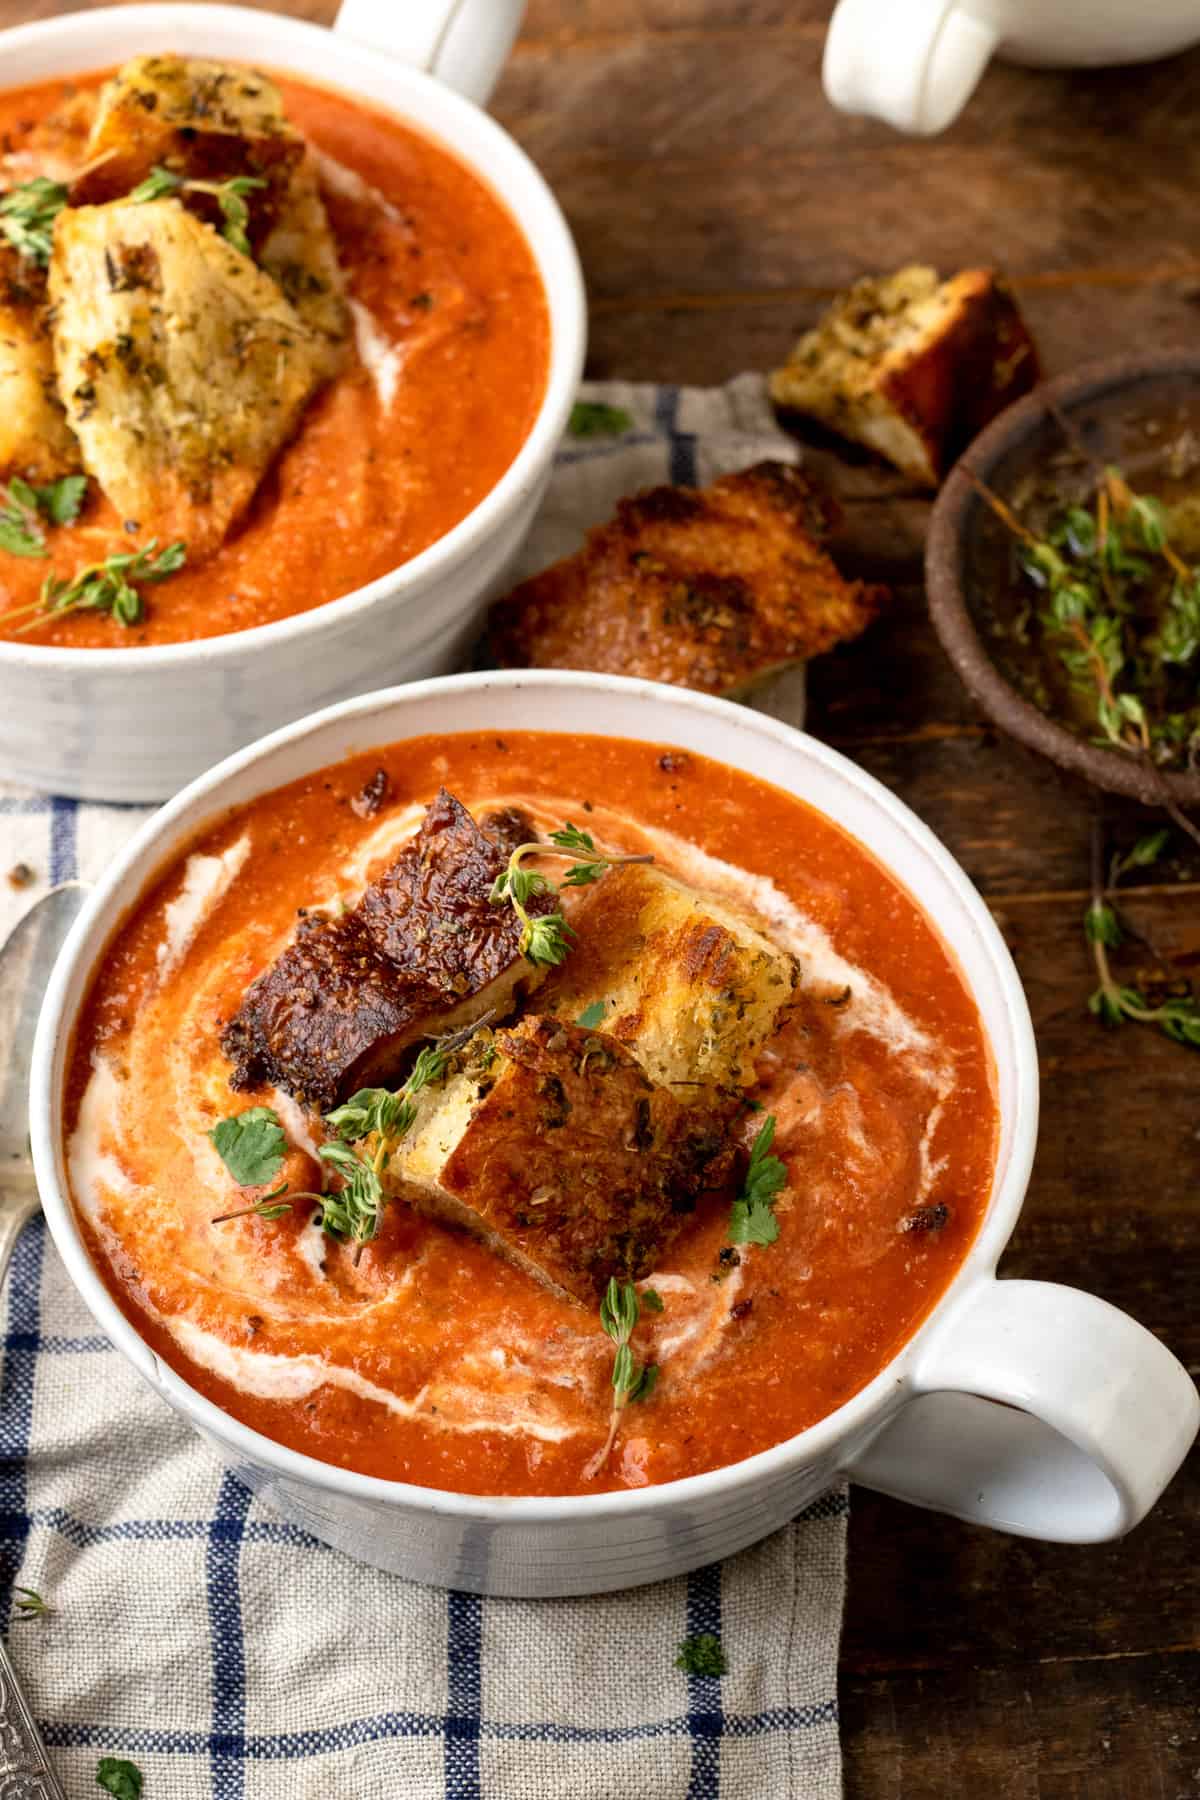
(915, 65)
(1095, 1417)
(463, 42)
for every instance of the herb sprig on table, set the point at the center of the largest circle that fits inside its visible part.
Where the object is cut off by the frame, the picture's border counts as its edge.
(121, 1779)
(620, 1310)
(1115, 1002)
(29, 1604)
(546, 937)
(229, 195)
(702, 1655)
(27, 215)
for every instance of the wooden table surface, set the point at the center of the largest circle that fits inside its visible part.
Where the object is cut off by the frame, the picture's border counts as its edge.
(717, 201)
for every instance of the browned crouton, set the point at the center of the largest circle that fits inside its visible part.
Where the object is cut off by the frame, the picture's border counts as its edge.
(712, 588)
(911, 366)
(424, 952)
(558, 1150)
(35, 440)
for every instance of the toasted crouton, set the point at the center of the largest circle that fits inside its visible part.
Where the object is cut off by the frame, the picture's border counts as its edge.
(424, 951)
(688, 984)
(562, 1155)
(207, 122)
(182, 368)
(35, 440)
(911, 366)
(712, 588)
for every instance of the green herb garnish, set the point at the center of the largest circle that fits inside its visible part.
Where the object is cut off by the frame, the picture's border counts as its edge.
(752, 1218)
(591, 1016)
(229, 196)
(271, 1207)
(701, 1655)
(1114, 1002)
(592, 418)
(252, 1145)
(632, 1380)
(59, 502)
(122, 1779)
(27, 215)
(30, 1605)
(546, 937)
(107, 586)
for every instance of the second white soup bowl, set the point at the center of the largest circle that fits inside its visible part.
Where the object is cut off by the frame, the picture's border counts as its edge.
(135, 724)
(1096, 1413)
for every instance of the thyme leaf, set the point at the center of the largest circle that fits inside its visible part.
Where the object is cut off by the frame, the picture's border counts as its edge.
(121, 1779)
(1113, 1002)
(27, 215)
(112, 586)
(229, 196)
(593, 418)
(546, 937)
(701, 1655)
(30, 1605)
(620, 1310)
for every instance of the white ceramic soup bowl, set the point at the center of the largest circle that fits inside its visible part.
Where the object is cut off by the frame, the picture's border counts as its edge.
(135, 724)
(1097, 1414)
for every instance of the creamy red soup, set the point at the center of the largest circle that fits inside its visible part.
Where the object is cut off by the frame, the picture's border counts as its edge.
(447, 373)
(431, 1359)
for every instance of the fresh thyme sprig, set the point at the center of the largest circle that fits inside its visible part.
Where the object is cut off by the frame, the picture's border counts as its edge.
(1120, 610)
(546, 937)
(752, 1218)
(229, 196)
(632, 1380)
(1114, 1002)
(107, 586)
(26, 506)
(27, 215)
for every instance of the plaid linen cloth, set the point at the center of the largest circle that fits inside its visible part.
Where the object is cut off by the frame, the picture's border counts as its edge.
(234, 1658)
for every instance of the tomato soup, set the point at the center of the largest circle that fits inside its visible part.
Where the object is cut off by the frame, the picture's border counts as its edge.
(430, 1359)
(446, 376)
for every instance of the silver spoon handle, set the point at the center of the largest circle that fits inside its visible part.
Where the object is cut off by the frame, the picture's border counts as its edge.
(25, 1772)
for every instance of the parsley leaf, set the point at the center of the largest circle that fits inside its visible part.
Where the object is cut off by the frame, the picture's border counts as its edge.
(701, 1655)
(121, 1779)
(591, 1016)
(752, 1218)
(251, 1144)
(592, 418)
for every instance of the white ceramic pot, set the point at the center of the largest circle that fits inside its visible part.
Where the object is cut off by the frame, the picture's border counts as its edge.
(136, 724)
(915, 63)
(1097, 1414)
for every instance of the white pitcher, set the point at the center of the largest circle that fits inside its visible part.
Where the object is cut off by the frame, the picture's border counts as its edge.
(915, 63)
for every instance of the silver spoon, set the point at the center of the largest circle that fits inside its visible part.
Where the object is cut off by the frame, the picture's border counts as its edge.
(25, 964)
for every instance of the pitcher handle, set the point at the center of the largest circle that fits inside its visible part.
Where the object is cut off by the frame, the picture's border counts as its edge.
(463, 42)
(914, 65)
(1095, 1417)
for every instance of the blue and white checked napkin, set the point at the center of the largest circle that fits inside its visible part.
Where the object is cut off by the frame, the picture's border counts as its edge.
(232, 1657)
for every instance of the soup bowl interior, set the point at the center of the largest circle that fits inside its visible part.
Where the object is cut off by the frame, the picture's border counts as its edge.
(79, 718)
(534, 1545)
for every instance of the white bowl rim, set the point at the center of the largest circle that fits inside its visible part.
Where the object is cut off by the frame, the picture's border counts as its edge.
(847, 1424)
(566, 307)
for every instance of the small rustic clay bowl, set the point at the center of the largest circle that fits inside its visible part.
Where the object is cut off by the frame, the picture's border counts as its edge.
(1128, 411)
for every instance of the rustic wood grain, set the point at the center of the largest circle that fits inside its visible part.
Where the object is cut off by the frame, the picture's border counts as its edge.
(718, 202)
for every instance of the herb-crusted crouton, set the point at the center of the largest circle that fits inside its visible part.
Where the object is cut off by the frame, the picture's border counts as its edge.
(207, 122)
(553, 1145)
(691, 987)
(182, 368)
(35, 440)
(713, 588)
(911, 366)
